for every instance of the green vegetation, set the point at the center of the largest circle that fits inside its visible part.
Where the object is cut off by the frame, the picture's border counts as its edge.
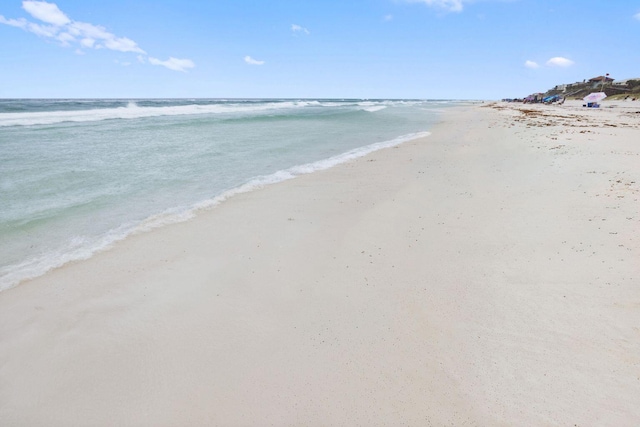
(633, 84)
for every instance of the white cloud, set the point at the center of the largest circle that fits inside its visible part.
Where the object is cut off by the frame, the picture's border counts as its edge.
(42, 30)
(531, 64)
(98, 37)
(173, 63)
(87, 42)
(58, 26)
(18, 23)
(448, 5)
(637, 16)
(46, 12)
(89, 30)
(32, 27)
(66, 31)
(122, 44)
(387, 18)
(249, 60)
(65, 38)
(559, 61)
(298, 29)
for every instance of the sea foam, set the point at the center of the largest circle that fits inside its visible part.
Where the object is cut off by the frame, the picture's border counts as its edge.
(134, 111)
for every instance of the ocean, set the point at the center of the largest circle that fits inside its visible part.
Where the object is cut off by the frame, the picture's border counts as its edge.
(78, 175)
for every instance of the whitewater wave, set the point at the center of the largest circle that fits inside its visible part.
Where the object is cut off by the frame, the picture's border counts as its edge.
(82, 248)
(134, 111)
(374, 109)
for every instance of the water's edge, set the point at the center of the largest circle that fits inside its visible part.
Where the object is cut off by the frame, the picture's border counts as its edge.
(13, 275)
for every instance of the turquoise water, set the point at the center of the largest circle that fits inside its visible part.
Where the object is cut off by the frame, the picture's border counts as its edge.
(78, 175)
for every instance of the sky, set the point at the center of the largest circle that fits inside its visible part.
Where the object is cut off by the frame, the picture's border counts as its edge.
(400, 49)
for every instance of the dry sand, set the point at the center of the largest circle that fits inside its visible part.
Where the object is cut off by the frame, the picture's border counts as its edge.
(486, 275)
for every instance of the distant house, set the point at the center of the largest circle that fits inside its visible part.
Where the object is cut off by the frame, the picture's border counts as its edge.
(598, 81)
(625, 82)
(576, 84)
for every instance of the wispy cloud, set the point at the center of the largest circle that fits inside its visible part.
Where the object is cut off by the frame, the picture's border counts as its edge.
(59, 27)
(387, 18)
(249, 60)
(448, 5)
(174, 64)
(298, 29)
(97, 37)
(637, 16)
(556, 61)
(19, 23)
(559, 61)
(531, 64)
(50, 31)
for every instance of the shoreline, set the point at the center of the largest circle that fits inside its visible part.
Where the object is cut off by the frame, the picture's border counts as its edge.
(42, 265)
(482, 275)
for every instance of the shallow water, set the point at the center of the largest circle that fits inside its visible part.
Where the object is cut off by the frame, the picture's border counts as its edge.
(78, 175)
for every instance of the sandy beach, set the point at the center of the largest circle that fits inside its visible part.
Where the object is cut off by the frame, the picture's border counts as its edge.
(488, 274)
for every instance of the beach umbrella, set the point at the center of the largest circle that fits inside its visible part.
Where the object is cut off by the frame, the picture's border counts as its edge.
(595, 97)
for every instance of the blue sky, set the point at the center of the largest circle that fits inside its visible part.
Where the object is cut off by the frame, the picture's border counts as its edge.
(429, 49)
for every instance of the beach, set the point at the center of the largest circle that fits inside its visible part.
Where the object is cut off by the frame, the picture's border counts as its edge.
(486, 274)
